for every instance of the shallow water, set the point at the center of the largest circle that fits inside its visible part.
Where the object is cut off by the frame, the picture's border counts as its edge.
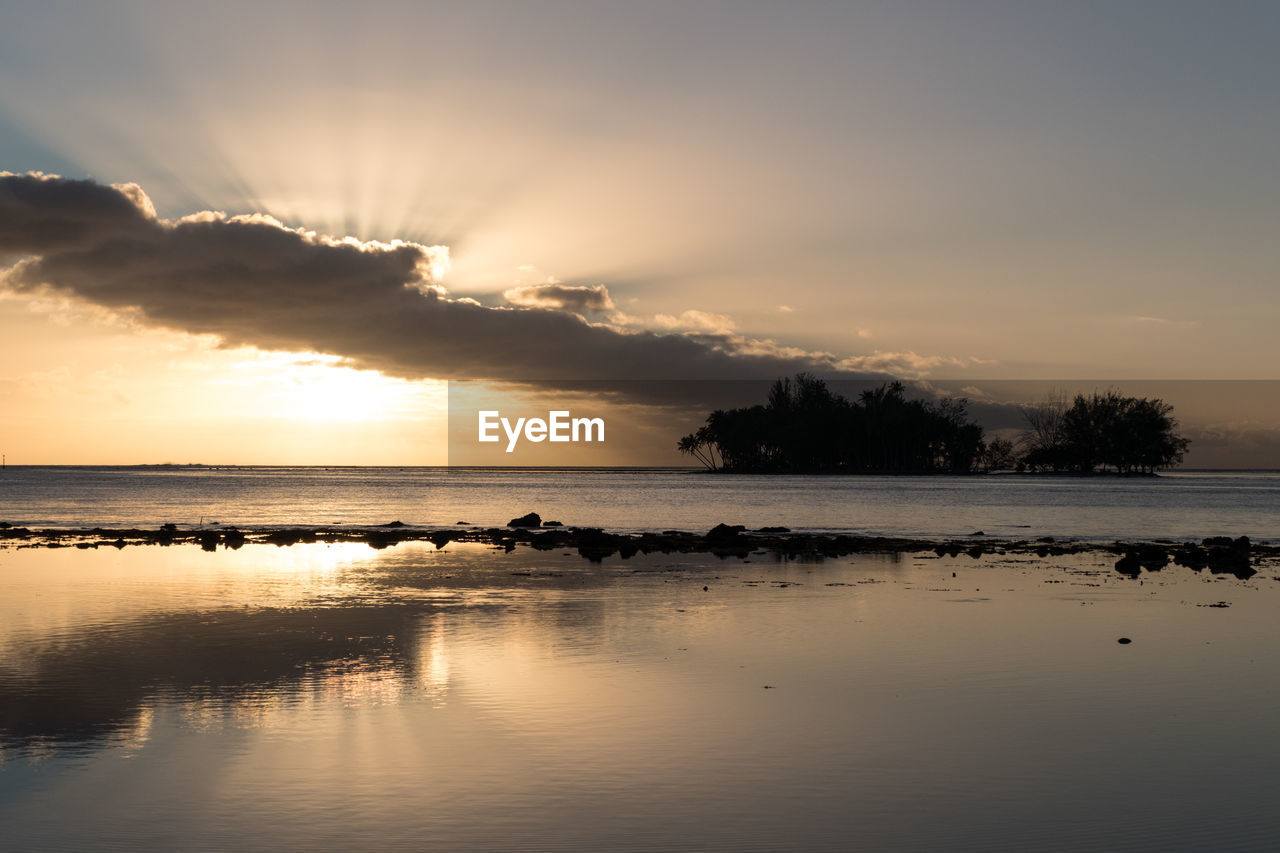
(1179, 505)
(333, 696)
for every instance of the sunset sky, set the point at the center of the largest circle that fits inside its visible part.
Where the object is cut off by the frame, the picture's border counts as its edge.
(278, 227)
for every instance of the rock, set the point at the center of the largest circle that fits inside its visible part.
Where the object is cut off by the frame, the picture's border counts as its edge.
(232, 538)
(843, 545)
(1153, 558)
(725, 532)
(1124, 641)
(1229, 556)
(726, 540)
(550, 540)
(294, 535)
(1129, 565)
(530, 520)
(774, 530)
(553, 524)
(595, 544)
(1192, 556)
(209, 540)
(379, 539)
(394, 524)
(978, 533)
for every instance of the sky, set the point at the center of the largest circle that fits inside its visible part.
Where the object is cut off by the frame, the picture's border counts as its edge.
(277, 229)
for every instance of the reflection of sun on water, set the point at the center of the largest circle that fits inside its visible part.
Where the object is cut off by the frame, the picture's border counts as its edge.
(133, 736)
(433, 657)
(322, 558)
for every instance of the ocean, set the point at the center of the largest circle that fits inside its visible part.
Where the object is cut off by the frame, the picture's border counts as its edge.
(333, 696)
(1175, 505)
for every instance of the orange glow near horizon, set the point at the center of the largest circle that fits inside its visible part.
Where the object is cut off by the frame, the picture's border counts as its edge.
(87, 388)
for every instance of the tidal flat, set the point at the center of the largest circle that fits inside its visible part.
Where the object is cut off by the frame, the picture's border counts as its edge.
(330, 695)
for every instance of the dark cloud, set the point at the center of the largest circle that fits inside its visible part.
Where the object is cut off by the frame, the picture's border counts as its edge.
(41, 214)
(580, 299)
(252, 281)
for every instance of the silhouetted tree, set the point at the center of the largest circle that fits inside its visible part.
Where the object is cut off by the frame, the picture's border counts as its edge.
(806, 428)
(999, 455)
(1044, 442)
(1128, 434)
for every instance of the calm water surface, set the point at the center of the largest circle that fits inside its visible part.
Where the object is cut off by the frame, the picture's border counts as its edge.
(1181, 505)
(333, 696)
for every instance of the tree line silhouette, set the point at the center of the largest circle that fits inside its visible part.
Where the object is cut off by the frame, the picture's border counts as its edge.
(1126, 434)
(805, 428)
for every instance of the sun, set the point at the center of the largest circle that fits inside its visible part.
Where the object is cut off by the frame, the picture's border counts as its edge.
(319, 389)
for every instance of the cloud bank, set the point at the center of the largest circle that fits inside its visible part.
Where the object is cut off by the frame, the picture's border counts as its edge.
(251, 280)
